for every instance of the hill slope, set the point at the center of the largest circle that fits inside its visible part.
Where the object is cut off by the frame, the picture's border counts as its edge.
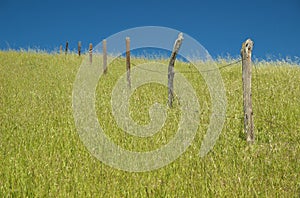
(41, 153)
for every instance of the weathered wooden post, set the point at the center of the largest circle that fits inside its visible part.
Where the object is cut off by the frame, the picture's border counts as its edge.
(246, 52)
(171, 68)
(79, 48)
(60, 49)
(128, 61)
(104, 57)
(67, 47)
(91, 52)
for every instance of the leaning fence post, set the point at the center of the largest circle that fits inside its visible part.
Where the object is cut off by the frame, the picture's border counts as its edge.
(171, 68)
(67, 47)
(246, 52)
(79, 48)
(91, 52)
(128, 61)
(104, 57)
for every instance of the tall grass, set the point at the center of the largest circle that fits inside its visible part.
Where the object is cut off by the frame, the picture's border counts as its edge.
(41, 153)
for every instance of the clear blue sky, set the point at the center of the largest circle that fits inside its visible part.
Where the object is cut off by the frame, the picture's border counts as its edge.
(220, 26)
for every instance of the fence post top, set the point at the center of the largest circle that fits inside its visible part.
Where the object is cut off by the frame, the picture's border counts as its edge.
(180, 36)
(247, 47)
(178, 42)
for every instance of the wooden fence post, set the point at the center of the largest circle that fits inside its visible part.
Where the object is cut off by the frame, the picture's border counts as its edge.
(91, 52)
(67, 47)
(246, 52)
(104, 57)
(171, 68)
(128, 61)
(79, 48)
(60, 49)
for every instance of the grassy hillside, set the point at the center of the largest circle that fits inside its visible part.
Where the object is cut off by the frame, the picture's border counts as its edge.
(41, 153)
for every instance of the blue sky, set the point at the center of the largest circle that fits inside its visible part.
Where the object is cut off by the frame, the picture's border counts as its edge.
(220, 26)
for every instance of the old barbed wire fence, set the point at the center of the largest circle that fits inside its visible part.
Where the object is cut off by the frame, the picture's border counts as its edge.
(246, 53)
(176, 47)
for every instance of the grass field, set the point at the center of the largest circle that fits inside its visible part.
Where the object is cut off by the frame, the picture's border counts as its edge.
(41, 153)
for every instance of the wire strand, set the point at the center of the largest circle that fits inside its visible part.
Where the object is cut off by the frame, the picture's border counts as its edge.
(218, 68)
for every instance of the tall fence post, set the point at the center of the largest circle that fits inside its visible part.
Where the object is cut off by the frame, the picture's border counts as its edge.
(104, 56)
(246, 53)
(128, 61)
(91, 52)
(67, 47)
(79, 48)
(171, 68)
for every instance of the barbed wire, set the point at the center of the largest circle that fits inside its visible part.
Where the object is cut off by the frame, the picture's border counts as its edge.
(218, 68)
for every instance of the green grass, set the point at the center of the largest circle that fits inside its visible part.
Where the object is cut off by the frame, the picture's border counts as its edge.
(41, 153)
